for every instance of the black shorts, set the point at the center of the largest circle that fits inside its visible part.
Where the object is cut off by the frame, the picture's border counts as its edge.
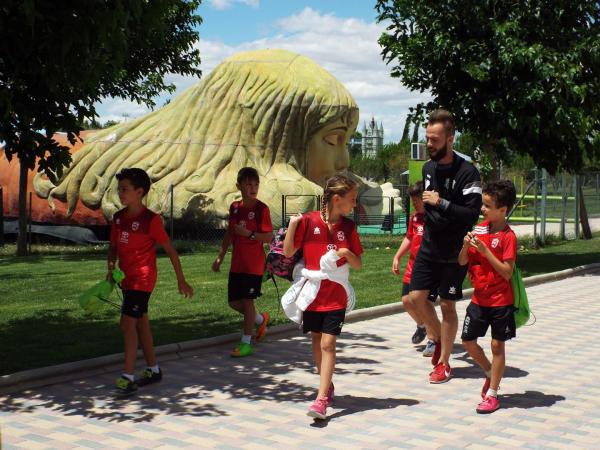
(432, 297)
(428, 275)
(479, 318)
(328, 322)
(135, 303)
(243, 286)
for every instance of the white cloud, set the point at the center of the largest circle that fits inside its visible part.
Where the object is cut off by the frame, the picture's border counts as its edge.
(226, 4)
(346, 47)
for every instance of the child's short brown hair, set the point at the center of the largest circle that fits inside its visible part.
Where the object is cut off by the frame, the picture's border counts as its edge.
(137, 177)
(416, 190)
(502, 191)
(247, 174)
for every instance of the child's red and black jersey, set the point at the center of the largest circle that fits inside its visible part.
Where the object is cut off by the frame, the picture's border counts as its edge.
(315, 239)
(249, 254)
(135, 239)
(490, 288)
(415, 235)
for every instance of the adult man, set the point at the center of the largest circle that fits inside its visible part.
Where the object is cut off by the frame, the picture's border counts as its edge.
(452, 200)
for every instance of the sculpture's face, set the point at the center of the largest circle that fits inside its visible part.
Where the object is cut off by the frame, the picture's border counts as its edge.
(327, 153)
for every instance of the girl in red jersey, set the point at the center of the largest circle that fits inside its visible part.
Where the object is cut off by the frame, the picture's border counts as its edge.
(318, 233)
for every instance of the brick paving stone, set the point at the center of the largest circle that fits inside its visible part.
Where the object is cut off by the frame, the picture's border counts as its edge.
(383, 399)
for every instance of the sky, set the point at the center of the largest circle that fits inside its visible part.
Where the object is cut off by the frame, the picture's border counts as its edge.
(340, 35)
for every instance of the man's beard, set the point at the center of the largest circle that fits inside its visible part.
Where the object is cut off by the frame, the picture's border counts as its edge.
(439, 154)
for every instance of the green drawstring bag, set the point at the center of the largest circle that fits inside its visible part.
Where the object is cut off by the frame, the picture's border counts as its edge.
(95, 297)
(522, 311)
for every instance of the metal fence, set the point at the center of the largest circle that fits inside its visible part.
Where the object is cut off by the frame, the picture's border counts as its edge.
(551, 204)
(556, 204)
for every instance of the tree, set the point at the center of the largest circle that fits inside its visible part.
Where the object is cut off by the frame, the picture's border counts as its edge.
(355, 149)
(58, 59)
(406, 129)
(521, 77)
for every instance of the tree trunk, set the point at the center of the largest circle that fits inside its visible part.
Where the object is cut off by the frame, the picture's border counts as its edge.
(22, 236)
(583, 216)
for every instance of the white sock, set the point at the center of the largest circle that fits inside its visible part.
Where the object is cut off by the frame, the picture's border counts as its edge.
(130, 377)
(492, 393)
(488, 373)
(246, 338)
(259, 319)
(154, 368)
(421, 326)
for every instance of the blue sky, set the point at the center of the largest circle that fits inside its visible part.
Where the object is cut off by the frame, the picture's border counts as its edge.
(340, 35)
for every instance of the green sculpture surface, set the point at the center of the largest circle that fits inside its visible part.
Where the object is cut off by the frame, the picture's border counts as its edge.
(274, 110)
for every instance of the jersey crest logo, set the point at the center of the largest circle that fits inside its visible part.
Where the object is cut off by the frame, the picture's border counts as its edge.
(452, 290)
(317, 230)
(495, 242)
(251, 215)
(135, 225)
(124, 237)
(420, 230)
(331, 247)
(341, 236)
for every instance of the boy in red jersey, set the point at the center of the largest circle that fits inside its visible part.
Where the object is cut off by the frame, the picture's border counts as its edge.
(411, 244)
(249, 229)
(134, 233)
(491, 250)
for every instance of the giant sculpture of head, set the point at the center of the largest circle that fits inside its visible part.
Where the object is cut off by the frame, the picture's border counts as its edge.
(272, 109)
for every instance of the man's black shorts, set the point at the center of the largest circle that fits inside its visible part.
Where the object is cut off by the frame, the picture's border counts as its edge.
(328, 322)
(135, 303)
(446, 277)
(243, 286)
(479, 318)
(432, 297)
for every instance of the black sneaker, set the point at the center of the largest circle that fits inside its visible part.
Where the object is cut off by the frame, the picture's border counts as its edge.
(419, 336)
(148, 376)
(124, 387)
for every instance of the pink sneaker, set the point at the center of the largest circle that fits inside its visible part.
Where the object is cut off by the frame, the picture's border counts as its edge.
(435, 358)
(441, 373)
(488, 405)
(329, 396)
(486, 386)
(318, 409)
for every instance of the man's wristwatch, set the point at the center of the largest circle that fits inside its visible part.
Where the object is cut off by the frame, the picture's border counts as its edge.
(252, 236)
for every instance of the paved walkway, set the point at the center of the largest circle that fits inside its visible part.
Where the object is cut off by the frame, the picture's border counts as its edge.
(550, 396)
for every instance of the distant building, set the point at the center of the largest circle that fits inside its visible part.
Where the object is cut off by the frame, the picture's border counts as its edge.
(372, 139)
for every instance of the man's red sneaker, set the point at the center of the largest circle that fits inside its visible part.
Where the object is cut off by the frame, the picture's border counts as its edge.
(435, 358)
(441, 373)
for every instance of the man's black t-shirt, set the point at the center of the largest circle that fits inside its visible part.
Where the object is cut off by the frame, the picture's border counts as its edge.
(446, 225)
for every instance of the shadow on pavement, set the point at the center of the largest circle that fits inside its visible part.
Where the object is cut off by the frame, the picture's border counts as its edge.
(529, 399)
(195, 385)
(351, 404)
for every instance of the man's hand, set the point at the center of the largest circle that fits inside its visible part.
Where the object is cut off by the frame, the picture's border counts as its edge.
(185, 289)
(431, 198)
(216, 265)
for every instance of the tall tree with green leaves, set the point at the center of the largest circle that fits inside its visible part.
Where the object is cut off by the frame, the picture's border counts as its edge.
(58, 59)
(521, 77)
(406, 129)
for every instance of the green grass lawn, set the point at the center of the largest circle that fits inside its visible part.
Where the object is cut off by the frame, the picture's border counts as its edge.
(41, 323)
